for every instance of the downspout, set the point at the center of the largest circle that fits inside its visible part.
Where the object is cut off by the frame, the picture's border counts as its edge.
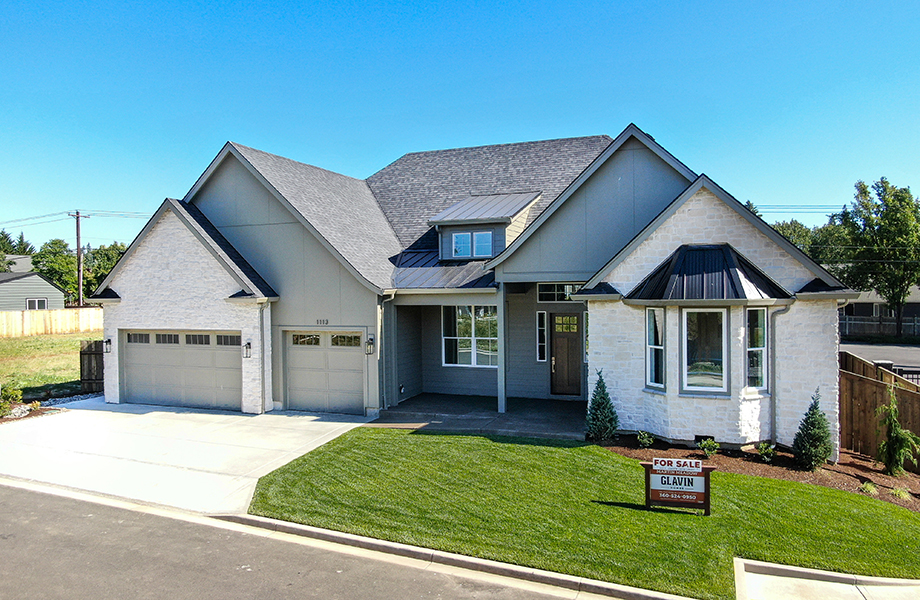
(262, 306)
(774, 392)
(384, 341)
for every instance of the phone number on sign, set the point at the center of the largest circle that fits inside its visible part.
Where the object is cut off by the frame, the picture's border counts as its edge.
(677, 496)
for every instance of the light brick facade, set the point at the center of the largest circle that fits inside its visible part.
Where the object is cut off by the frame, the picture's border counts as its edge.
(805, 341)
(185, 288)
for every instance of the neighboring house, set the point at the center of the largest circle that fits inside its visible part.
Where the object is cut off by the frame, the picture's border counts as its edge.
(870, 304)
(475, 271)
(22, 263)
(29, 291)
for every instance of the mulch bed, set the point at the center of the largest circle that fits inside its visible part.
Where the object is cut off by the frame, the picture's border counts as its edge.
(848, 474)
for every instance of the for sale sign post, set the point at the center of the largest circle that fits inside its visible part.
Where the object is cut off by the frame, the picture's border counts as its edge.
(677, 482)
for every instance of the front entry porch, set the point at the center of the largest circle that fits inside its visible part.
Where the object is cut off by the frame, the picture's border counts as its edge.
(524, 417)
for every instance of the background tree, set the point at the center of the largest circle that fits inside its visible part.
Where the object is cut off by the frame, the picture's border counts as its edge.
(56, 261)
(752, 207)
(6, 242)
(883, 231)
(22, 246)
(5, 263)
(795, 232)
(97, 263)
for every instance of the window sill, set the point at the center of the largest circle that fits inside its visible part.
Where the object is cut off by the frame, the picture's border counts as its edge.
(755, 395)
(472, 366)
(656, 391)
(701, 394)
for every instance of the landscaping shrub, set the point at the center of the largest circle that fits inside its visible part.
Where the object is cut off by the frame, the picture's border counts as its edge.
(709, 447)
(10, 394)
(899, 444)
(603, 421)
(645, 439)
(767, 451)
(812, 443)
(867, 487)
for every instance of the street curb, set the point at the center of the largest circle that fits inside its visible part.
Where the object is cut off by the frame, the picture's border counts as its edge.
(571, 582)
(776, 570)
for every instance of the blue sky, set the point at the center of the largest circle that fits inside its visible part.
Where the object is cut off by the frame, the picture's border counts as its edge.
(115, 106)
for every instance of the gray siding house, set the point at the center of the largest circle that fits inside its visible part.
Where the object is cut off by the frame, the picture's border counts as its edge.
(273, 284)
(29, 291)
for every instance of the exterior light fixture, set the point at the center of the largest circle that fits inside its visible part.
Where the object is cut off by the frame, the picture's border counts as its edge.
(247, 350)
(107, 346)
(369, 345)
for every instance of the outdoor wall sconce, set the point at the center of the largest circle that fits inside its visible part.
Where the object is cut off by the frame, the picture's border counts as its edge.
(247, 350)
(369, 345)
(107, 346)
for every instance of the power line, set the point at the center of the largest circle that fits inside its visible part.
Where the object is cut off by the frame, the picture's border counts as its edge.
(94, 213)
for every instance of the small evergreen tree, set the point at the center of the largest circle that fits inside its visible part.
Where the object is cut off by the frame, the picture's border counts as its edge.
(812, 443)
(899, 444)
(603, 421)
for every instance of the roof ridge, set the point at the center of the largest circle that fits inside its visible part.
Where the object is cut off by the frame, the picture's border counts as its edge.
(244, 147)
(529, 142)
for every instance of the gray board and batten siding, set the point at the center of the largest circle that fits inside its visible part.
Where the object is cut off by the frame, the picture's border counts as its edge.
(17, 288)
(316, 292)
(598, 219)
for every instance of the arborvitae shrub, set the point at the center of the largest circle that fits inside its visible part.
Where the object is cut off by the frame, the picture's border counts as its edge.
(602, 422)
(812, 443)
(899, 444)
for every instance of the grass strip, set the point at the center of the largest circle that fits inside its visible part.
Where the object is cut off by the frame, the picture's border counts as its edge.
(579, 509)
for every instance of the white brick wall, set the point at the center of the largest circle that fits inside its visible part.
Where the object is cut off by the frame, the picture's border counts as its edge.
(806, 339)
(173, 282)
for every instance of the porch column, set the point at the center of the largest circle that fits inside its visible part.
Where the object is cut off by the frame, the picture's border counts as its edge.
(502, 332)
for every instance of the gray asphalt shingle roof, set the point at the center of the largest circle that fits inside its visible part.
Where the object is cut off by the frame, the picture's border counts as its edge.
(342, 209)
(420, 185)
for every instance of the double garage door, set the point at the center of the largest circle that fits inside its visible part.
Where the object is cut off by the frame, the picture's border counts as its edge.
(198, 369)
(324, 371)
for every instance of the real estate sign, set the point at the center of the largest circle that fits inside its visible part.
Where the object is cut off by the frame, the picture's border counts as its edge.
(677, 482)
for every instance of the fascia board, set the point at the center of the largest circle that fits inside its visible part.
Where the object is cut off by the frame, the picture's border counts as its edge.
(714, 303)
(631, 131)
(841, 295)
(229, 148)
(431, 291)
(483, 221)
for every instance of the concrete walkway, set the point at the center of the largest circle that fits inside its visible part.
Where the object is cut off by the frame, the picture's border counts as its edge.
(197, 460)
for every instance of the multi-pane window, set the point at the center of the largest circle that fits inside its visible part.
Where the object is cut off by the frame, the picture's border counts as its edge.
(556, 292)
(463, 247)
(654, 347)
(757, 347)
(705, 356)
(197, 339)
(482, 244)
(305, 339)
(138, 338)
(541, 336)
(36, 303)
(341, 340)
(229, 340)
(470, 335)
(167, 338)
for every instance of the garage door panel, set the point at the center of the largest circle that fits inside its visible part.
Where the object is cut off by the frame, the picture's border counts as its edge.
(321, 377)
(198, 376)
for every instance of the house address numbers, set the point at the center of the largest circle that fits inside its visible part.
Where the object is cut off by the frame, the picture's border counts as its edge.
(322, 321)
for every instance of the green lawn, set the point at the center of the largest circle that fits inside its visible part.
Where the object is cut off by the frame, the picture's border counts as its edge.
(579, 509)
(43, 365)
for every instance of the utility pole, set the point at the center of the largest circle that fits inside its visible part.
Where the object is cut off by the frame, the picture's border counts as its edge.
(76, 215)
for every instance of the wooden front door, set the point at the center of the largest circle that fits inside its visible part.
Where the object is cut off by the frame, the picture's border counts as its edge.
(565, 378)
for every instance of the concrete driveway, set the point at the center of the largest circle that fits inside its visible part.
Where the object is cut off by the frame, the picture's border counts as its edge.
(202, 461)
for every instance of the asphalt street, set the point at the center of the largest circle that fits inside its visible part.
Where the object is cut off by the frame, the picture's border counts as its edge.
(59, 547)
(902, 356)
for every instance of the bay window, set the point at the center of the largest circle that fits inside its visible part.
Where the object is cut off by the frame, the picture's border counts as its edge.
(704, 348)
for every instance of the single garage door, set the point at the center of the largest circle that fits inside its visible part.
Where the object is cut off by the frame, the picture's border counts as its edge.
(325, 371)
(197, 369)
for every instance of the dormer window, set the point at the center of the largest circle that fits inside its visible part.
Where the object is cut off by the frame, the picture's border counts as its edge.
(472, 245)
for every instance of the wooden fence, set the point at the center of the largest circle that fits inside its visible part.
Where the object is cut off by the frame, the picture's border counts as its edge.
(862, 393)
(91, 372)
(20, 323)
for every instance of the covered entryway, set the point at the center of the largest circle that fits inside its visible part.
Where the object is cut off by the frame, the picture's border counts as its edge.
(196, 369)
(324, 371)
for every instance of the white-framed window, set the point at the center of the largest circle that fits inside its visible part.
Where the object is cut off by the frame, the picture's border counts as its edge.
(462, 245)
(705, 350)
(469, 336)
(654, 347)
(197, 339)
(471, 245)
(556, 292)
(36, 303)
(482, 244)
(167, 338)
(584, 333)
(138, 338)
(541, 336)
(229, 340)
(757, 348)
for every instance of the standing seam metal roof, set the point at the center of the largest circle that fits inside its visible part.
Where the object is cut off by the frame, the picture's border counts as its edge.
(482, 209)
